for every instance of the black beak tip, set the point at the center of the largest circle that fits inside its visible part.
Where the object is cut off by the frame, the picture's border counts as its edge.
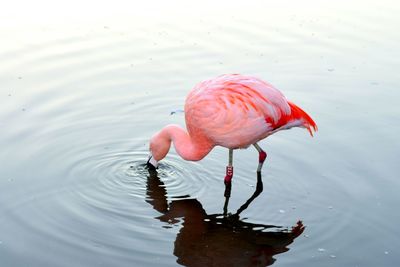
(150, 166)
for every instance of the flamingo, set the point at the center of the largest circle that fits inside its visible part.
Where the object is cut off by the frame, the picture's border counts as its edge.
(233, 111)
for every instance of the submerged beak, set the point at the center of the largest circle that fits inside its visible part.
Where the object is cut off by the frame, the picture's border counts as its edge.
(152, 164)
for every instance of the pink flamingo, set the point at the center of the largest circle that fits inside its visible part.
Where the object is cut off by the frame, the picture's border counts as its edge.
(232, 111)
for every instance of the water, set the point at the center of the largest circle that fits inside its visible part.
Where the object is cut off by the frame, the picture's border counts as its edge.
(84, 86)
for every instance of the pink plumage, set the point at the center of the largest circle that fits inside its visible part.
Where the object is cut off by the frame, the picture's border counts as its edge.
(232, 111)
(235, 111)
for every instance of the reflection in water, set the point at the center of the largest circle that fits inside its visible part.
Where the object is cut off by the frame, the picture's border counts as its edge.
(219, 239)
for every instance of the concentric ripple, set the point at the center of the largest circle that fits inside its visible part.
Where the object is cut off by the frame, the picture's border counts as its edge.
(101, 202)
(79, 103)
(114, 175)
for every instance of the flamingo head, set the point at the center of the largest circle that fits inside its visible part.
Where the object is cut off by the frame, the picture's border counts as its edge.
(159, 147)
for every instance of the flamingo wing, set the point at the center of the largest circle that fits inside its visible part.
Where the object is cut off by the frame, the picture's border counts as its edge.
(236, 111)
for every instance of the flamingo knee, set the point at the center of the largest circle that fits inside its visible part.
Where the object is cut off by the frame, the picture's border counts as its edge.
(262, 155)
(229, 174)
(229, 168)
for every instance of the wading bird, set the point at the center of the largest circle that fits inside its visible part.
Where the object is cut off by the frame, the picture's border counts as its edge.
(232, 111)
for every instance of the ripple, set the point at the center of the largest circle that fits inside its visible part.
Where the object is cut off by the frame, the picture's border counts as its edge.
(113, 174)
(112, 183)
(100, 201)
(80, 104)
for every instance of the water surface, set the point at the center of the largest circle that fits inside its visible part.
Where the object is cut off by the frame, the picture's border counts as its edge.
(81, 94)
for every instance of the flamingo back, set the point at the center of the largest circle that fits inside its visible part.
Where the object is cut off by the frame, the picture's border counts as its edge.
(236, 111)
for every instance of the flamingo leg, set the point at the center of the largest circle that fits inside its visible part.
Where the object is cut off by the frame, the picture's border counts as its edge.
(229, 168)
(259, 189)
(261, 157)
(227, 180)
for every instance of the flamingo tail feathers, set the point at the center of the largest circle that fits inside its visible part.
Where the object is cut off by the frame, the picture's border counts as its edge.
(299, 114)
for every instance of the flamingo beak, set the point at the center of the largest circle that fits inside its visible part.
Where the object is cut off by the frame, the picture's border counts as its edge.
(152, 164)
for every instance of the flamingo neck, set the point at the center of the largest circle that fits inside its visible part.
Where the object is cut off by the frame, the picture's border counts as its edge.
(187, 147)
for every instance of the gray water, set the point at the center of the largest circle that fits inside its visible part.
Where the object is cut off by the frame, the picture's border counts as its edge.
(83, 86)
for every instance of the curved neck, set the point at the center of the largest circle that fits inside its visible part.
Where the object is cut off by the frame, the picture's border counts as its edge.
(187, 147)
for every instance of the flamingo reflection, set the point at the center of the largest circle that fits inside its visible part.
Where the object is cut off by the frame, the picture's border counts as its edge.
(219, 239)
